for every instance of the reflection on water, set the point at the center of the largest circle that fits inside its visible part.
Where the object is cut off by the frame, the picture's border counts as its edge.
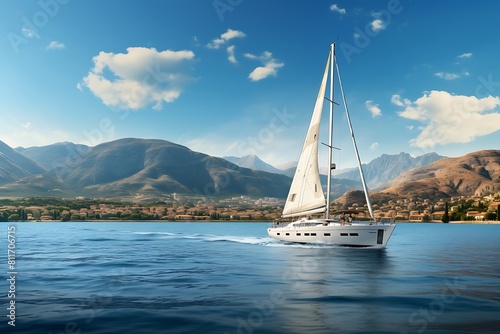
(333, 288)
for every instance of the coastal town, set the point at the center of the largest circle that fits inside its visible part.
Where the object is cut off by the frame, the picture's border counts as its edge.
(178, 207)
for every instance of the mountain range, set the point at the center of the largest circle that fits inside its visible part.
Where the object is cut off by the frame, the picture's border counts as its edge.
(55, 155)
(132, 168)
(15, 166)
(474, 174)
(377, 172)
(387, 167)
(149, 169)
(339, 187)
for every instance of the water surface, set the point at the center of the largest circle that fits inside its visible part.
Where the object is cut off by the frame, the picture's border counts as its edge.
(231, 278)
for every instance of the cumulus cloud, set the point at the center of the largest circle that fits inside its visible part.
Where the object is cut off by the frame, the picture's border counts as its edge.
(224, 38)
(377, 25)
(448, 118)
(270, 67)
(54, 45)
(373, 108)
(447, 76)
(139, 77)
(336, 8)
(396, 99)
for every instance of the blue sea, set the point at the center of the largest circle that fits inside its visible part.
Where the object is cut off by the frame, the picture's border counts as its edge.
(142, 277)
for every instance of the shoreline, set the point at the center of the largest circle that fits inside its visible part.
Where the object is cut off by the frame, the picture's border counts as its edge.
(488, 222)
(476, 223)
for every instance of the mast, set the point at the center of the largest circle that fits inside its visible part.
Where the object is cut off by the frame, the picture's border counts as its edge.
(365, 188)
(330, 135)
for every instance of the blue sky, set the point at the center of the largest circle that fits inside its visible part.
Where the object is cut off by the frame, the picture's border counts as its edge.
(238, 77)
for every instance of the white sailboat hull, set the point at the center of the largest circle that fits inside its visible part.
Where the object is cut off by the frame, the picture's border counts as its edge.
(330, 232)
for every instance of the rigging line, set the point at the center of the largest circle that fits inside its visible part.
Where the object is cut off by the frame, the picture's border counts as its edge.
(333, 147)
(363, 182)
(331, 101)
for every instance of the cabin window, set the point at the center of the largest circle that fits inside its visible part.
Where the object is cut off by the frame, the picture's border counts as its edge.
(306, 234)
(292, 198)
(313, 234)
(327, 234)
(287, 233)
(344, 234)
(278, 233)
(353, 234)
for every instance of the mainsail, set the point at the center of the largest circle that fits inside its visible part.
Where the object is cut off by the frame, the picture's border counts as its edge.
(306, 194)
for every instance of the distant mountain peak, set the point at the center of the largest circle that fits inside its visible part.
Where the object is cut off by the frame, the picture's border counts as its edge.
(386, 167)
(252, 161)
(15, 165)
(54, 155)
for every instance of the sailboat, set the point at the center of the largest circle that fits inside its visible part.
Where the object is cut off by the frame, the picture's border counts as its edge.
(306, 204)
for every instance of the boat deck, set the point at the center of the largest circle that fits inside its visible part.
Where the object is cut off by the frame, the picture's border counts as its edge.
(321, 223)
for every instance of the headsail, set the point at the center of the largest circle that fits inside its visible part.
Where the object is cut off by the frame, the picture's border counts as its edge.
(306, 194)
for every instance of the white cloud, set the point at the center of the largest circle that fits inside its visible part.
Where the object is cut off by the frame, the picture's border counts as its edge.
(227, 36)
(270, 67)
(54, 45)
(336, 8)
(396, 99)
(373, 108)
(377, 25)
(230, 54)
(373, 146)
(451, 118)
(465, 55)
(447, 76)
(140, 77)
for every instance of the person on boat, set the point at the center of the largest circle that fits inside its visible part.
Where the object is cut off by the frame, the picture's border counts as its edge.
(349, 219)
(342, 219)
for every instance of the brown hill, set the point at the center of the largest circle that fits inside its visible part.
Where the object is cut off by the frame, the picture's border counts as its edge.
(476, 173)
(152, 167)
(358, 197)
